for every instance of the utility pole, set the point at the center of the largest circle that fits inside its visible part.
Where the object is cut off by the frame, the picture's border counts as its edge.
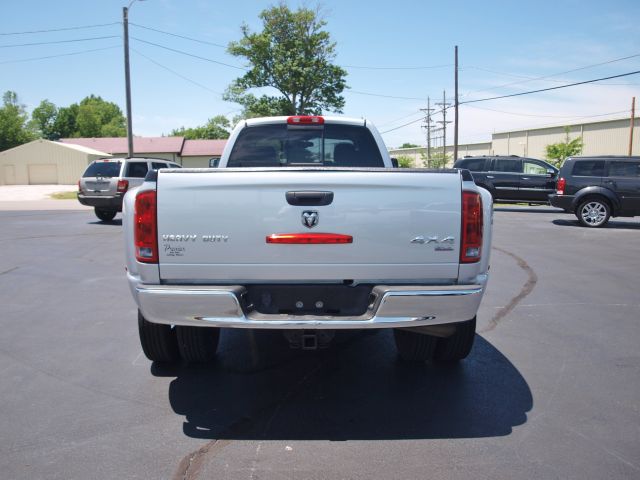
(427, 125)
(444, 122)
(455, 124)
(127, 77)
(633, 115)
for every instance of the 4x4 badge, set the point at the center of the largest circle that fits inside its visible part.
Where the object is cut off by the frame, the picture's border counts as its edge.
(310, 218)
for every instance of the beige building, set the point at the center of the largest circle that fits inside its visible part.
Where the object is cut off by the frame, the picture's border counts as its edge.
(608, 137)
(43, 162)
(201, 153)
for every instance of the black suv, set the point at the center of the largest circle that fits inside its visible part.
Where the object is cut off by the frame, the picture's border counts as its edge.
(512, 178)
(596, 188)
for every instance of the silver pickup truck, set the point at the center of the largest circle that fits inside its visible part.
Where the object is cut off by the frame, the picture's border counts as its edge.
(307, 227)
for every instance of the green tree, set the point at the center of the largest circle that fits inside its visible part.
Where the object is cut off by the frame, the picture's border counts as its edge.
(216, 128)
(405, 161)
(409, 145)
(294, 55)
(437, 160)
(14, 128)
(43, 119)
(99, 118)
(64, 125)
(92, 117)
(557, 153)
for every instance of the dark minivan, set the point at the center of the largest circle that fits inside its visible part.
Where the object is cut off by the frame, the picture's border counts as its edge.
(512, 178)
(596, 188)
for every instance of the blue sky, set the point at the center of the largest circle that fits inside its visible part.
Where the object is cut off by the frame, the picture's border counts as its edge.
(502, 45)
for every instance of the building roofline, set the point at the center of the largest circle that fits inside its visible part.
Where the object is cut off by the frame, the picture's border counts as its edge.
(77, 148)
(561, 125)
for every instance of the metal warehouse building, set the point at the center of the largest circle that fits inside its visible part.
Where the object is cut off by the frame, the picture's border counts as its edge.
(608, 137)
(44, 162)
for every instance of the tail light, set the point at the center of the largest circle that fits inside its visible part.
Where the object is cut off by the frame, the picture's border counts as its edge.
(560, 187)
(79, 187)
(309, 238)
(145, 227)
(123, 186)
(305, 120)
(471, 242)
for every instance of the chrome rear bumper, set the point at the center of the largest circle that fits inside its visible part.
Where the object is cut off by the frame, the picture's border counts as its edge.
(392, 307)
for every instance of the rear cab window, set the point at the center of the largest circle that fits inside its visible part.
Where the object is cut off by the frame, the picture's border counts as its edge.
(588, 168)
(103, 169)
(282, 145)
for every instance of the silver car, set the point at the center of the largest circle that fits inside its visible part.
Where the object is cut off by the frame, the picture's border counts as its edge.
(105, 181)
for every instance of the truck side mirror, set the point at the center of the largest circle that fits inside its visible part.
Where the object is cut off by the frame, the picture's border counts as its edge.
(394, 163)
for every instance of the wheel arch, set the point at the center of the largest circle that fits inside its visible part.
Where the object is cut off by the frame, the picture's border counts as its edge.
(611, 198)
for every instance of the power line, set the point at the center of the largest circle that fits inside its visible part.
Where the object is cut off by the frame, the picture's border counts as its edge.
(364, 67)
(544, 77)
(58, 41)
(409, 123)
(178, 36)
(175, 73)
(80, 27)
(527, 93)
(402, 126)
(418, 112)
(383, 96)
(551, 88)
(60, 55)
(520, 114)
(397, 68)
(189, 54)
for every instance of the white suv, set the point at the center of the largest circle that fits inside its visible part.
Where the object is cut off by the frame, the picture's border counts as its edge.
(105, 182)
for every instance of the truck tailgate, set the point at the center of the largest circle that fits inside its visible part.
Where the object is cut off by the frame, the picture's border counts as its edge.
(213, 225)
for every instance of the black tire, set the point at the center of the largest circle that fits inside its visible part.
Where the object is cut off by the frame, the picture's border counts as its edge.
(457, 346)
(197, 344)
(594, 212)
(105, 215)
(158, 341)
(414, 346)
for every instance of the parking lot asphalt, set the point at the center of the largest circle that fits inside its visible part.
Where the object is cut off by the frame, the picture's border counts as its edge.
(550, 389)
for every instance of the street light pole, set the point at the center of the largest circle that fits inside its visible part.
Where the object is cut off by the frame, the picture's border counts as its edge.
(127, 75)
(127, 78)
(456, 121)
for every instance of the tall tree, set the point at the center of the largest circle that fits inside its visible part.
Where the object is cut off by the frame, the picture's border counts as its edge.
(65, 122)
(14, 128)
(43, 119)
(215, 128)
(99, 118)
(294, 55)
